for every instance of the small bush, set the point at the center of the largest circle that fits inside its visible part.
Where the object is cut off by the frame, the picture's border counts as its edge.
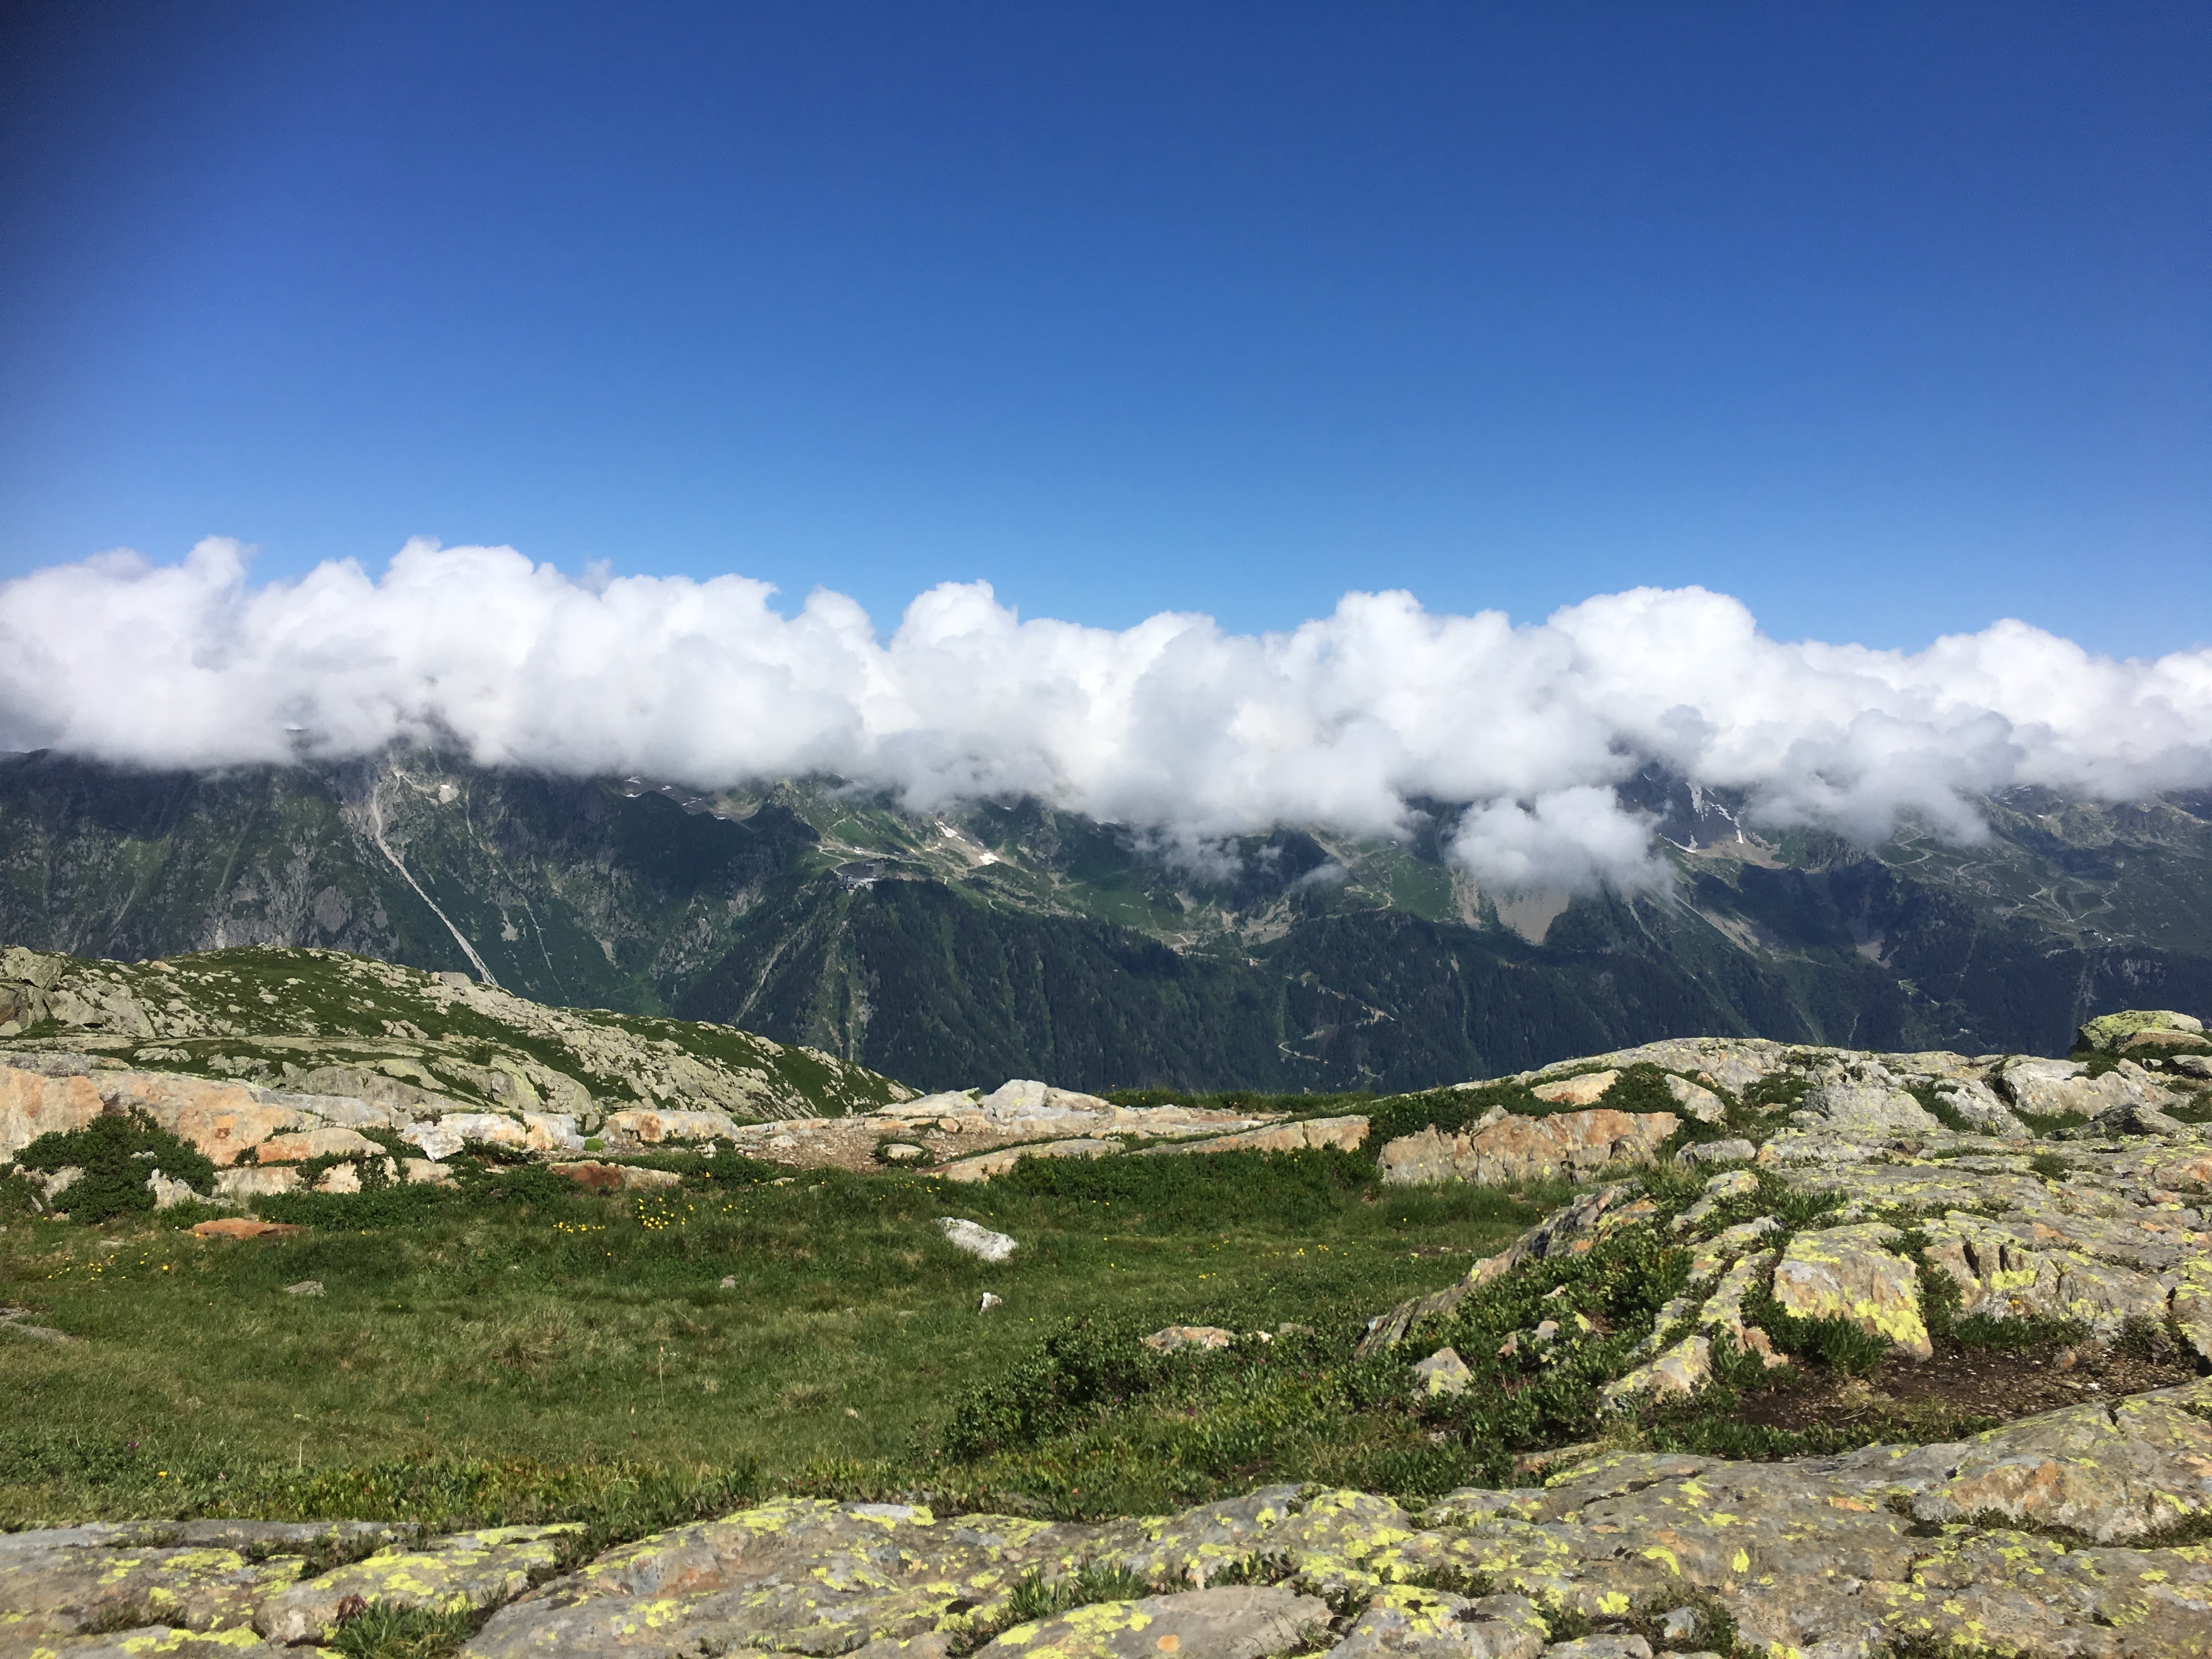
(1836, 1343)
(1083, 1364)
(118, 1151)
(2011, 1335)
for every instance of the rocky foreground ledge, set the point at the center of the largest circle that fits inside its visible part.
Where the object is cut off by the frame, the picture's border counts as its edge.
(2040, 1538)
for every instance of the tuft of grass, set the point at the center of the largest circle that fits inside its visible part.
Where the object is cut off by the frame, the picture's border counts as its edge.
(379, 1630)
(1034, 1598)
(2012, 1335)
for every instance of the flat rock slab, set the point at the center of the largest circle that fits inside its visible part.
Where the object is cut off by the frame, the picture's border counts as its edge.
(1345, 1133)
(1584, 1091)
(1243, 1622)
(60, 1588)
(151, 1642)
(1434, 1625)
(461, 1571)
(984, 1165)
(239, 1226)
(1887, 1545)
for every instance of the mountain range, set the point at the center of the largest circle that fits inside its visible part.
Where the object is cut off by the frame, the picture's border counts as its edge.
(1010, 939)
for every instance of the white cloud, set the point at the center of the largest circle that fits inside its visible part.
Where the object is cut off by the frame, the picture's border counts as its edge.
(1172, 726)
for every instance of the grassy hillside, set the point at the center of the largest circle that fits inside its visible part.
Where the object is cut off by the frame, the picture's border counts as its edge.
(322, 1022)
(510, 1346)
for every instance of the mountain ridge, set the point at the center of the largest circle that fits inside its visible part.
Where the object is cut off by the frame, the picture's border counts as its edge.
(1007, 938)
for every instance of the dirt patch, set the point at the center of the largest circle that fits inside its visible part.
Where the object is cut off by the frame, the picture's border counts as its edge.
(1960, 1382)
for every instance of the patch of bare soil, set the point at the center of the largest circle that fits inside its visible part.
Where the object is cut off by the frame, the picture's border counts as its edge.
(1968, 1382)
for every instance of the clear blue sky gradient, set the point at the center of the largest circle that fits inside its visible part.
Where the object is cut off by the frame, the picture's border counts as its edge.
(1889, 319)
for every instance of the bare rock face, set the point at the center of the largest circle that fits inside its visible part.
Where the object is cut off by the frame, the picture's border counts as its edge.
(1849, 1273)
(1866, 1102)
(1584, 1091)
(464, 1569)
(1696, 1100)
(1345, 1133)
(1243, 1622)
(1977, 1104)
(32, 1105)
(2053, 1087)
(1510, 1148)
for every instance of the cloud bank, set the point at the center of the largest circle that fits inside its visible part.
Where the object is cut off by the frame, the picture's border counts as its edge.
(1173, 725)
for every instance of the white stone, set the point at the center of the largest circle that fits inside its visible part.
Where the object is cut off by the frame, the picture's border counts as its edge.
(440, 1138)
(978, 1241)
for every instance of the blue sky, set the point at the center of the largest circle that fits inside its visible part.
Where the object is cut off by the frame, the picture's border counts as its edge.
(1889, 320)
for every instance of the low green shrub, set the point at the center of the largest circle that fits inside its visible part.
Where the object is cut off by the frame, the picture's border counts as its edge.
(118, 1151)
(1835, 1342)
(2011, 1335)
(1083, 1364)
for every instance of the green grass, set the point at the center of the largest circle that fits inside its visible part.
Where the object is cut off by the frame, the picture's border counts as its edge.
(517, 1350)
(380, 1630)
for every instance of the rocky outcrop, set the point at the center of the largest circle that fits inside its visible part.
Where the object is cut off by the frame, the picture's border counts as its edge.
(1504, 1147)
(1346, 1134)
(33, 1104)
(322, 1023)
(2154, 1030)
(2054, 1087)
(1849, 1273)
(984, 1165)
(459, 1571)
(1585, 1090)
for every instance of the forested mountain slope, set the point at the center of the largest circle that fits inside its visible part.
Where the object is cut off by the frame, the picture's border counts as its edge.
(1013, 940)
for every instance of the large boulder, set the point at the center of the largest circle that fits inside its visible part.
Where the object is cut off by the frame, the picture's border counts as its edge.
(1871, 1107)
(975, 1239)
(1849, 1273)
(2049, 1088)
(2110, 1033)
